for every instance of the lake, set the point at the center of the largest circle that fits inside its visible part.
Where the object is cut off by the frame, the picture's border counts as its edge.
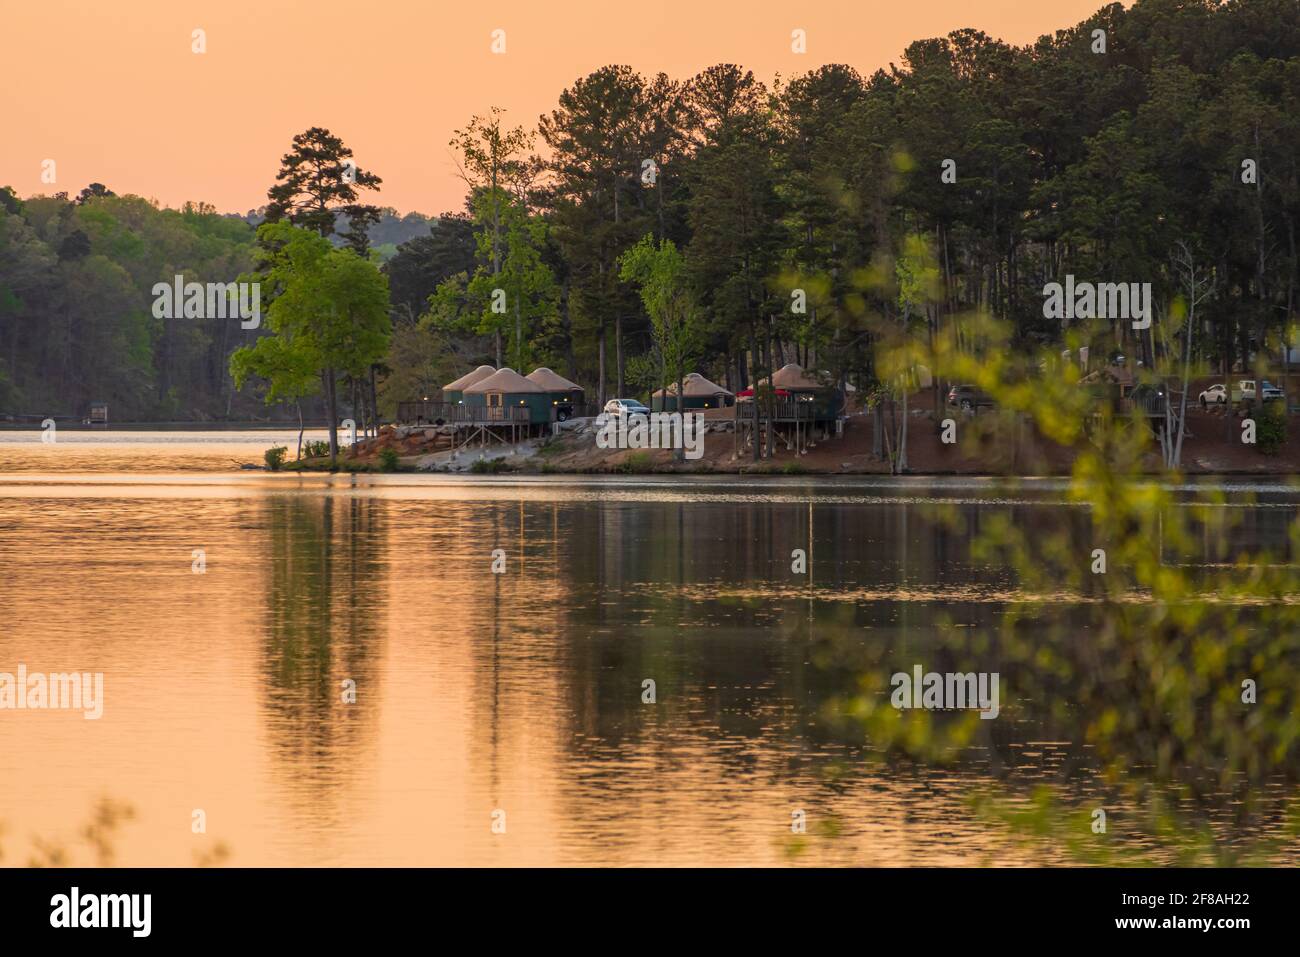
(501, 717)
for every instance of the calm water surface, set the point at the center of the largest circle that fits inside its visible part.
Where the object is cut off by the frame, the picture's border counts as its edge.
(519, 691)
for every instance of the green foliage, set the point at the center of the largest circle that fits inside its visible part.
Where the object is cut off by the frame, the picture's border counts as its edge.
(315, 448)
(1148, 668)
(318, 180)
(329, 316)
(1270, 428)
(637, 462)
(76, 316)
(512, 293)
(659, 271)
(388, 460)
(1062, 162)
(419, 265)
(275, 457)
(489, 466)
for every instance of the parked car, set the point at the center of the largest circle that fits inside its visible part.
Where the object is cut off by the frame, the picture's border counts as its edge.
(1244, 390)
(618, 408)
(1215, 395)
(968, 398)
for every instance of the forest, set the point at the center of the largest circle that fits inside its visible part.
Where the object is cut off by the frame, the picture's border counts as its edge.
(649, 224)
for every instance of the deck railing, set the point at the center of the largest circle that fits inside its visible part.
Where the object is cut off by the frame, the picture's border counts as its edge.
(435, 412)
(1147, 403)
(782, 410)
(460, 413)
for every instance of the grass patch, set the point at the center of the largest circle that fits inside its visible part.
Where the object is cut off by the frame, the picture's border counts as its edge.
(489, 466)
(638, 463)
(1270, 428)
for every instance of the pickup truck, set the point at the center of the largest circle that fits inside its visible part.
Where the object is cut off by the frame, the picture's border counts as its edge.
(1244, 390)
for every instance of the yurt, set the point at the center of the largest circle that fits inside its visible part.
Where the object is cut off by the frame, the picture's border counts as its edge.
(697, 393)
(565, 396)
(829, 401)
(455, 391)
(506, 388)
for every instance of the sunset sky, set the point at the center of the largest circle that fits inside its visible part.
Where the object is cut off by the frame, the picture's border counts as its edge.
(112, 92)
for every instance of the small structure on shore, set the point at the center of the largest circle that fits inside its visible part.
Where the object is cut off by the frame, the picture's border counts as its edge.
(507, 396)
(803, 409)
(697, 393)
(485, 406)
(566, 397)
(97, 416)
(806, 388)
(455, 391)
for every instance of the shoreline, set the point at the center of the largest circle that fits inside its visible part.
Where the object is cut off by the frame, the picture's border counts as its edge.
(983, 451)
(574, 452)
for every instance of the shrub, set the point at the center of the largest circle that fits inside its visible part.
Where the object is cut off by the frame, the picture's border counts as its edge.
(317, 449)
(638, 461)
(1270, 428)
(489, 466)
(388, 460)
(275, 457)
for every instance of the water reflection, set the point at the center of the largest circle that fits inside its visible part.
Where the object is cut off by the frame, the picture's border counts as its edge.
(325, 605)
(523, 691)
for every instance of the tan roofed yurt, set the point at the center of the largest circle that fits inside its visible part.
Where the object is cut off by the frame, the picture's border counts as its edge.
(454, 391)
(507, 390)
(697, 393)
(791, 378)
(566, 396)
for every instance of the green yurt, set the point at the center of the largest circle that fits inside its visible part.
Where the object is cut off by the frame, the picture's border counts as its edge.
(507, 389)
(828, 401)
(455, 391)
(566, 396)
(699, 393)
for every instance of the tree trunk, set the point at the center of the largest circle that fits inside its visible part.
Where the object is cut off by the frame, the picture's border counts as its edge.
(519, 338)
(771, 392)
(618, 351)
(680, 453)
(902, 437)
(600, 388)
(374, 401)
(753, 352)
(331, 396)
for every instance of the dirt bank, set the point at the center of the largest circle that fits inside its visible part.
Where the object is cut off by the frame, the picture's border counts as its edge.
(1213, 446)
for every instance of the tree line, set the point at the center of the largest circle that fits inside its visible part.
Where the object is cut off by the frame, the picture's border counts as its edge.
(806, 220)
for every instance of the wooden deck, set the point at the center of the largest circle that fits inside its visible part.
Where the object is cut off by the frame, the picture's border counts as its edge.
(796, 423)
(459, 413)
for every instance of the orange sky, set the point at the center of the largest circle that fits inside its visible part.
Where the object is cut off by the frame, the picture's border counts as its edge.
(113, 93)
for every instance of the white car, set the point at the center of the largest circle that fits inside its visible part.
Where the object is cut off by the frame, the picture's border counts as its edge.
(1214, 395)
(618, 408)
